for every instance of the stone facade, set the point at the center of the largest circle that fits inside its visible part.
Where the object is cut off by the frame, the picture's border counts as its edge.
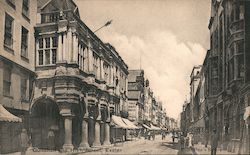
(81, 81)
(226, 73)
(17, 56)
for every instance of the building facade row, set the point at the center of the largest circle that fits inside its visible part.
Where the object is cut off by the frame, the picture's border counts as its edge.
(221, 99)
(56, 74)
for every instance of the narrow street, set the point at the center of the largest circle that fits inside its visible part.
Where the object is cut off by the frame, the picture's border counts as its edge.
(142, 146)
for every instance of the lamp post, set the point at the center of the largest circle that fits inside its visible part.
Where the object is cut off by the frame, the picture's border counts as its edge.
(105, 25)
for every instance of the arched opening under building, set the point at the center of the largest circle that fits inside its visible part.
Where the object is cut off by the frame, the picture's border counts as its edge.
(47, 126)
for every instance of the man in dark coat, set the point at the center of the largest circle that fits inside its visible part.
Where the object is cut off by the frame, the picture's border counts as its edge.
(214, 142)
(24, 141)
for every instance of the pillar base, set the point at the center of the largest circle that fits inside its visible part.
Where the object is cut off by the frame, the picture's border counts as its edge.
(97, 145)
(68, 147)
(83, 146)
(106, 143)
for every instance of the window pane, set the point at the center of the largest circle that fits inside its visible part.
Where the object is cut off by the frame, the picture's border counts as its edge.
(24, 44)
(240, 47)
(240, 66)
(41, 43)
(47, 42)
(54, 56)
(8, 30)
(23, 88)
(40, 53)
(25, 9)
(6, 81)
(55, 44)
(47, 57)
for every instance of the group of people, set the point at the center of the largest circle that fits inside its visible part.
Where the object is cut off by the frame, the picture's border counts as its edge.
(188, 142)
(149, 135)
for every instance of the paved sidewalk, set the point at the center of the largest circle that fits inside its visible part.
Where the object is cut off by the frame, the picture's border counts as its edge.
(201, 149)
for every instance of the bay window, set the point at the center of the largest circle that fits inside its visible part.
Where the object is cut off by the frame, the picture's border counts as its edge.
(47, 51)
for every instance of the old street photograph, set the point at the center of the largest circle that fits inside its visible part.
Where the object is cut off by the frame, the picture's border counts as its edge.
(124, 77)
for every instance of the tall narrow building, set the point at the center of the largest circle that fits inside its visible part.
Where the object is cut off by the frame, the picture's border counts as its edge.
(17, 69)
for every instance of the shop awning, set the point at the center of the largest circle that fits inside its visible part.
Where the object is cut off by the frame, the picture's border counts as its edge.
(6, 116)
(129, 123)
(119, 122)
(155, 127)
(145, 126)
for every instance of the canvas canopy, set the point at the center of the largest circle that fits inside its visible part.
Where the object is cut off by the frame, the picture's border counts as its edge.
(119, 123)
(155, 127)
(145, 126)
(129, 124)
(6, 116)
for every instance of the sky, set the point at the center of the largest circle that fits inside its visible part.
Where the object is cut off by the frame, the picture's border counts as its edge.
(170, 36)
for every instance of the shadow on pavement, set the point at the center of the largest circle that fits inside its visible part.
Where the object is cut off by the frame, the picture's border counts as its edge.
(186, 151)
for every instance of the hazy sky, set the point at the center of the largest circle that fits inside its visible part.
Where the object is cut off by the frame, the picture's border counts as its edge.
(171, 36)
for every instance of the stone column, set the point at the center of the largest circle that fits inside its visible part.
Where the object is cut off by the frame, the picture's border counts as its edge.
(59, 50)
(67, 146)
(85, 62)
(70, 51)
(65, 46)
(84, 144)
(107, 129)
(90, 57)
(97, 141)
(98, 69)
(75, 48)
(102, 69)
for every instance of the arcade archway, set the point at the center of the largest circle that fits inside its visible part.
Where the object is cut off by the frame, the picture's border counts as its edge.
(46, 121)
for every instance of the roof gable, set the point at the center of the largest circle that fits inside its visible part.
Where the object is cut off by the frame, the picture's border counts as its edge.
(59, 5)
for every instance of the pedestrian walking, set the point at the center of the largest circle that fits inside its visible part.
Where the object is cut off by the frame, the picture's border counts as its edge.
(173, 137)
(24, 141)
(51, 140)
(149, 135)
(214, 144)
(153, 135)
(182, 144)
(163, 134)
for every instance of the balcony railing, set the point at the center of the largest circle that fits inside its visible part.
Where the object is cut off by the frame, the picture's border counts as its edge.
(55, 16)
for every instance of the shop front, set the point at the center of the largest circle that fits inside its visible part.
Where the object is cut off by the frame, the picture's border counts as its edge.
(10, 129)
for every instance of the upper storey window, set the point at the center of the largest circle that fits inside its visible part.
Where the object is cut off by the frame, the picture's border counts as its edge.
(25, 9)
(24, 42)
(8, 31)
(47, 50)
(11, 3)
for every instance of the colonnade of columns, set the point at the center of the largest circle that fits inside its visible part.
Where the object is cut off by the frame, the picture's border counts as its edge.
(68, 146)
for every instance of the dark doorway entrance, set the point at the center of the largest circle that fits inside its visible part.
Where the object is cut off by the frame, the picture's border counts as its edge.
(46, 125)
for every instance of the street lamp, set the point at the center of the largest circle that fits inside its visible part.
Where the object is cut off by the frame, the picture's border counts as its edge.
(105, 25)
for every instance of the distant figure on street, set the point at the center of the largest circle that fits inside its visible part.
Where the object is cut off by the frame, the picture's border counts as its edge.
(190, 140)
(214, 142)
(51, 140)
(182, 144)
(163, 135)
(24, 141)
(153, 135)
(149, 135)
(173, 136)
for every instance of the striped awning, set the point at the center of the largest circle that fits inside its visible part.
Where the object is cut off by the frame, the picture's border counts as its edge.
(130, 124)
(118, 122)
(6, 116)
(145, 126)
